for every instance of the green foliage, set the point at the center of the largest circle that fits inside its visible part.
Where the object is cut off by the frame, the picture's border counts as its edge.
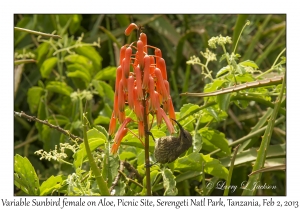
(25, 176)
(73, 76)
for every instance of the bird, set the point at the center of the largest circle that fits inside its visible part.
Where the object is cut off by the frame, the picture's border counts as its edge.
(169, 148)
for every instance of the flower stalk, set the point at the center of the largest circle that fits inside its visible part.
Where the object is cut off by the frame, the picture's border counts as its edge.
(142, 86)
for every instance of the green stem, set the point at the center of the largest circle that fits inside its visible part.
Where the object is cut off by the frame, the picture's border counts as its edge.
(262, 151)
(37, 33)
(18, 62)
(100, 181)
(230, 171)
(203, 179)
(66, 162)
(249, 136)
(273, 66)
(247, 23)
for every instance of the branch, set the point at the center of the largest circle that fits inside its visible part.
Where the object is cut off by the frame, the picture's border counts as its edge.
(260, 83)
(45, 122)
(115, 182)
(37, 33)
(131, 169)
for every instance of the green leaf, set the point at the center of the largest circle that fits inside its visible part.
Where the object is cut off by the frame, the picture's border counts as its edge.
(82, 60)
(42, 52)
(47, 66)
(223, 101)
(216, 85)
(213, 113)
(195, 161)
(59, 87)
(53, 183)
(108, 73)
(223, 71)
(102, 120)
(169, 182)
(242, 104)
(81, 75)
(247, 156)
(247, 77)
(101, 129)
(127, 155)
(104, 90)
(214, 167)
(187, 109)
(33, 98)
(25, 177)
(249, 63)
(90, 53)
(95, 139)
(111, 165)
(216, 138)
(95, 133)
(197, 143)
(50, 138)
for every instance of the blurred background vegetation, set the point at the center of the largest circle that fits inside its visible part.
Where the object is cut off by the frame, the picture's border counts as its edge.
(179, 36)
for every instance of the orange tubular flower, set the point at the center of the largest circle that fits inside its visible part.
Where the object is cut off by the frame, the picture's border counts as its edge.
(167, 87)
(130, 28)
(138, 108)
(159, 117)
(112, 124)
(121, 117)
(140, 52)
(116, 145)
(157, 100)
(162, 89)
(146, 71)
(122, 54)
(158, 54)
(121, 101)
(162, 66)
(167, 121)
(116, 108)
(171, 111)
(152, 65)
(152, 101)
(124, 62)
(118, 78)
(138, 80)
(143, 38)
(127, 62)
(130, 92)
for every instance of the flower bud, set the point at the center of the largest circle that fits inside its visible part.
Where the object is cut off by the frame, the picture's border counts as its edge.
(143, 38)
(140, 53)
(122, 54)
(130, 28)
(162, 66)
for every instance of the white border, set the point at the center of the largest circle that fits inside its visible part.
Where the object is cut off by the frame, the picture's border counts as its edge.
(8, 8)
